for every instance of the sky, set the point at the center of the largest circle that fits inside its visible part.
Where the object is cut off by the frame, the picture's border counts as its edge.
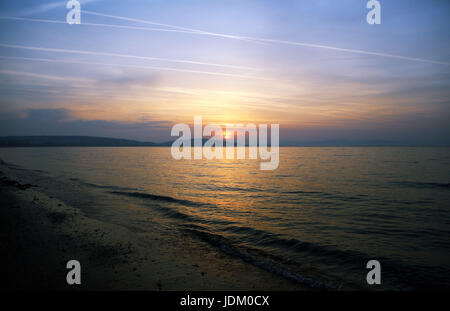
(133, 69)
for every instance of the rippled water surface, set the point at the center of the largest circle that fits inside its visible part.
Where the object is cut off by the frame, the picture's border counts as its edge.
(317, 219)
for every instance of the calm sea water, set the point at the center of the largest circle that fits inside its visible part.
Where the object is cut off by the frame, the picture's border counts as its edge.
(317, 219)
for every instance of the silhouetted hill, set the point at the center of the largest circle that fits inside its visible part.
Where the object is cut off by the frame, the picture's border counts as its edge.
(90, 141)
(72, 141)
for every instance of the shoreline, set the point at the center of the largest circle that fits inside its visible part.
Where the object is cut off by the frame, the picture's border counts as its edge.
(41, 233)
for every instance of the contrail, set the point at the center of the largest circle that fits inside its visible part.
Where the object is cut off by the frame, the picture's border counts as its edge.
(131, 66)
(255, 39)
(51, 21)
(51, 6)
(43, 49)
(161, 24)
(185, 30)
(179, 28)
(351, 50)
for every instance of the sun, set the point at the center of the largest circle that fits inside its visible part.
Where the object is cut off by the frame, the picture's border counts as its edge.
(226, 135)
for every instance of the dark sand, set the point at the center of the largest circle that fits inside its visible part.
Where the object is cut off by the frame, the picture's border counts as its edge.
(40, 234)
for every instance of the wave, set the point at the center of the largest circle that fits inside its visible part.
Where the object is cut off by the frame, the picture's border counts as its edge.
(267, 239)
(423, 185)
(283, 255)
(103, 186)
(278, 254)
(172, 211)
(260, 261)
(325, 195)
(234, 189)
(154, 197)
(337, 199)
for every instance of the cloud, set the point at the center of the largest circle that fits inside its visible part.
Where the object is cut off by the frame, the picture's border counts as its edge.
(45, 90)
(61, 122)
(125, 78)
(95, 53)
(427, 130)
(45, 115)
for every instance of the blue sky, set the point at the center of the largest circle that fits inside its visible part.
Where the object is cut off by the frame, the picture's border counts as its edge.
(134, 79)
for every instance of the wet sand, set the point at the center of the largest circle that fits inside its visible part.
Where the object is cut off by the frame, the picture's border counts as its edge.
(40, 234)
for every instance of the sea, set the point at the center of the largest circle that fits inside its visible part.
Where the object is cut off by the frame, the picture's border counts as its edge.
(318, 219)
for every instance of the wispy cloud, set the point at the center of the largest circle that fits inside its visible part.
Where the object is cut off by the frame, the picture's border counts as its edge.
(45, 49)
(43, 76)
(133, 66)
(65, 122)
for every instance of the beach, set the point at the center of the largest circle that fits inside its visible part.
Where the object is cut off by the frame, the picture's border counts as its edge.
(40, 234)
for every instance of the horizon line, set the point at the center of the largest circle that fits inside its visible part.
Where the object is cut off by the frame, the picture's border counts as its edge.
(167, 143)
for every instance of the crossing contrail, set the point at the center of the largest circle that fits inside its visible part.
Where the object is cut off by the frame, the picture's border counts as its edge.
(191, 30)
(51, 21)
(131, 66)
(54, 50)
(178, 29)
(255, 39)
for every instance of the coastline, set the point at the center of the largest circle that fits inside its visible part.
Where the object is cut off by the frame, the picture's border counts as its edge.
(41, 233)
